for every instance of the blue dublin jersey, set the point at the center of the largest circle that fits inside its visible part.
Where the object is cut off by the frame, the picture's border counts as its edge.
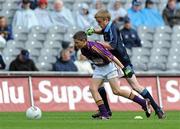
(112, 35)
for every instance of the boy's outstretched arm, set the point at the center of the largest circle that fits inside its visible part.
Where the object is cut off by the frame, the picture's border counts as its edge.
(91, 31)
(98, 31)
(118, 63)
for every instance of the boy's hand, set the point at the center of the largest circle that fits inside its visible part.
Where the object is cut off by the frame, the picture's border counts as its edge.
(127, 72)
(90, 31)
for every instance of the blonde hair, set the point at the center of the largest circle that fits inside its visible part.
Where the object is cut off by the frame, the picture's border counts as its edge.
(103, 13)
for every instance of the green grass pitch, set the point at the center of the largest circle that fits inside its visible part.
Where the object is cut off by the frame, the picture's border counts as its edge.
(77, 120)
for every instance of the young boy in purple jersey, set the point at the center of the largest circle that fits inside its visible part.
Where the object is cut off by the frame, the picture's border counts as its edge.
(114, 42)
(105, 69)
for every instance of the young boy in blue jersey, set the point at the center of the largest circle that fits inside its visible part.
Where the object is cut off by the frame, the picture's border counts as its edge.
(113, 41)
(105, 69)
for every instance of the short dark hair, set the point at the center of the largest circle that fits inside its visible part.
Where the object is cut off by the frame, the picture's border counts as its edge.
(25, 54)
(26, 1)
(80, 35)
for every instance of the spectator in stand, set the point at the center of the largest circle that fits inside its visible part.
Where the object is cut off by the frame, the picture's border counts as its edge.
(83, 18)
(25, 17)
(129, 35)
(2, 64)
(171, 14)
(72, 51)
(83, 64)
(61, 15)
(5, 29)
(34, 4)
(23, 62)
(70, 47)
(65, 63)
(43, 15)
(135, 14)
(96, 6)
(152, 17)
(118, 12)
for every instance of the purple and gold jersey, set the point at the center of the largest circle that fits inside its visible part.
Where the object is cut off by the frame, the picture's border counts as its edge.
(96, 52)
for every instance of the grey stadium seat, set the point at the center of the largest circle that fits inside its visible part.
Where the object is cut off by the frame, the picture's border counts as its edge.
(145, 29)
(33, 44)
(164, 29)
(173, 58)
(161, 44)
(7, 13)
(52, 44)
(176, 36)
(47, 59)
(173, 66)
(139, 66)
(38, 29)
(10, 5)
(33, 51)
(176, 29)
(20, 36)
(156, 66)
(2, 45)
(49, 51)
(20, 29)
(146, 44)
(11, 51)
(158, 59)
(73, 30)
(141, 59)
(68, 37)
(34, 58)
(175, 45)
(36, 36)
(55, 36)
(174, 51)
(57, 29)
(15, 44)
(44, 66)
(8, 59)
(160, 51)
(141, 51)
(175, 42)
(146, 36)
(162, 36)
